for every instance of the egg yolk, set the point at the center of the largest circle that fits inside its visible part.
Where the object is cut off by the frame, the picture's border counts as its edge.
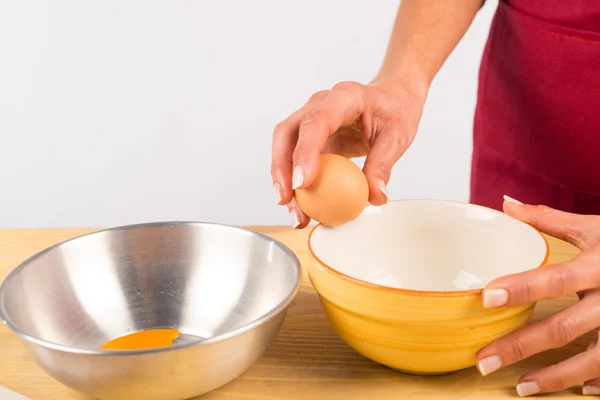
(146, 339)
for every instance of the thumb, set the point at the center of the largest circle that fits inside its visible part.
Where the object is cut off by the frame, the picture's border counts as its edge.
(383, 155)
(562, 225)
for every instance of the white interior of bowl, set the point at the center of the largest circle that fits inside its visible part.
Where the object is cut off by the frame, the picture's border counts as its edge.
(429, 245)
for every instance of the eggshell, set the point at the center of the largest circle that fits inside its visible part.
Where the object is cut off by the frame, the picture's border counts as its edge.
(339, 193)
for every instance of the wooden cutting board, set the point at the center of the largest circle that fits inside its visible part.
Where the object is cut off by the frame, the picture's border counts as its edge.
(307, 360)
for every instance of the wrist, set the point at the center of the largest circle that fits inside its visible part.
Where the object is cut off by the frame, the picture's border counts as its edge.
(410, 64)
(413, 80)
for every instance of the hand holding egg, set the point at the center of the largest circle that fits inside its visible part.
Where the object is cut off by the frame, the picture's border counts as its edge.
(378, 120)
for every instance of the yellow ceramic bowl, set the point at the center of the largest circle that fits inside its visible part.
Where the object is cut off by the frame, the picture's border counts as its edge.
(402, 283)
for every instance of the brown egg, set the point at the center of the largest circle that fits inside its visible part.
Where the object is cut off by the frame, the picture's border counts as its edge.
(339, 193)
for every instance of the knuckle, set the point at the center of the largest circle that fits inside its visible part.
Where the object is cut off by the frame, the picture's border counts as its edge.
(527, 291)
(318, 96)
(558, 280)
(276, 168)
(313, 120)
(304, 152)
(301, 154)
(352, 91)
(309, 119)
(560, 383)
(565, 330)
(574, 233)
(518, 350)
(384, 167)
(347, 86)
(541, 212)
(401, 141)
(280, 130)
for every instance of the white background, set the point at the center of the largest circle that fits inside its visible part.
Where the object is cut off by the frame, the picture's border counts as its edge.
(115, 112)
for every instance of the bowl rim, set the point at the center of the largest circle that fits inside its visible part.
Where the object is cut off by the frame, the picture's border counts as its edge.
(414, 292)
(275, 310)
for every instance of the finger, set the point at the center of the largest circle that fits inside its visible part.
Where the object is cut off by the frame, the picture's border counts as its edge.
(386, 151)
(562, 225)
(579, 368)
(285, 137)
(548, 282)
(592, 387)
(299, 219)
(342, 106)
(554, 332)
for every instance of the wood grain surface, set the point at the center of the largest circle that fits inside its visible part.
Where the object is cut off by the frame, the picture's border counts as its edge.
(307, 360)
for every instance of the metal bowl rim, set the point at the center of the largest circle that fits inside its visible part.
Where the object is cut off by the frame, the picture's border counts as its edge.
(281, 306)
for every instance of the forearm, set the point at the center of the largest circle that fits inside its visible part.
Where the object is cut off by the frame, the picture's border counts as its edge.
(425, 33)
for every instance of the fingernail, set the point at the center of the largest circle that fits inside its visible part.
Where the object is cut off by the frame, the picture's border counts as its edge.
(297, 177)
(489, 365)
(590, 390)
(383, 189)
(277, 193)
(511, 200)
(528, 388)
(494, 297)
(295, 218)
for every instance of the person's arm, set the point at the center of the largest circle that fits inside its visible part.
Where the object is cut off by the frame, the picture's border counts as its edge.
(379, 119)
(425, 33)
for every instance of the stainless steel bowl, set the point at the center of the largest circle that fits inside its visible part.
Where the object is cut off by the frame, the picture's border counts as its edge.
(226, 289)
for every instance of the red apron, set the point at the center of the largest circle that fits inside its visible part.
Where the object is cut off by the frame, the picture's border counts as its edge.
(537, 123)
